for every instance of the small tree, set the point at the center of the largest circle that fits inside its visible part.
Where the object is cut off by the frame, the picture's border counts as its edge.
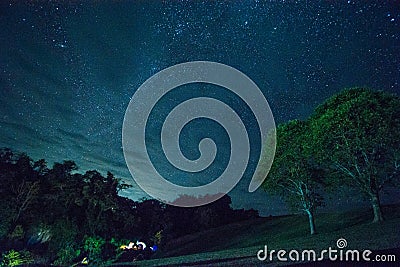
(294, 175)
(357, 132)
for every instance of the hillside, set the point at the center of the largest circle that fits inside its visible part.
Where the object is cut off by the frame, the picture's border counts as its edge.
(237, 244)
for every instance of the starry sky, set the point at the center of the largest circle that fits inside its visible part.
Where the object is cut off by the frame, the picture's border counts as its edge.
(68, 70)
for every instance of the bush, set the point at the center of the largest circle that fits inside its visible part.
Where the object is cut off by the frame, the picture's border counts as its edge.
(63, 232)
(66, 255)
(93, 247)
(17, 233)
(15, 258)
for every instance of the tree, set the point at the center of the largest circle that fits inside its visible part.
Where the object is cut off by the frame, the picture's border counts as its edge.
(59, 193)
(294, 174)
(19, 186)
(357, 132)
(100, 200)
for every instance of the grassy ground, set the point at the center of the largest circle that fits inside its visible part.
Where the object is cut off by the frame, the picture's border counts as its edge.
(237, 244)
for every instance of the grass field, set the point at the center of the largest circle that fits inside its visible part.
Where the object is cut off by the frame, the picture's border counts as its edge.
(237, 244)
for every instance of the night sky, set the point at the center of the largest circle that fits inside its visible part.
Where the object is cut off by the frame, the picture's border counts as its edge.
(70, 68)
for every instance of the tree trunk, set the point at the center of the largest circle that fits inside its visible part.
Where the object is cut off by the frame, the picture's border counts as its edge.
(376, 206)
(311, 221)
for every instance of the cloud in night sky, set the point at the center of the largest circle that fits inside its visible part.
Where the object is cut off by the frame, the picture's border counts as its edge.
(69, 69)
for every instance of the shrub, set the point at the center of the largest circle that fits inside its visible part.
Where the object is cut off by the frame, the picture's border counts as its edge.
(66, 255)
(93, 246)
(17, 233)
(15, 258)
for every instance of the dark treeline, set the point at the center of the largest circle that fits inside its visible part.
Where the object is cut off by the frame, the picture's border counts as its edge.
(57, 215)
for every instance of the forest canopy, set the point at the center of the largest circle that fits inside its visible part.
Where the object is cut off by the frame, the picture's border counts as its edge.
(58, 215)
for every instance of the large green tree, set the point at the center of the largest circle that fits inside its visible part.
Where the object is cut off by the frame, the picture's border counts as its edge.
(357, 133)
(294, 174)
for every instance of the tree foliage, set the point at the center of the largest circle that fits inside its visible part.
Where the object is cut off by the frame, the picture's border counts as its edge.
(356, 133)
(294, 174)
